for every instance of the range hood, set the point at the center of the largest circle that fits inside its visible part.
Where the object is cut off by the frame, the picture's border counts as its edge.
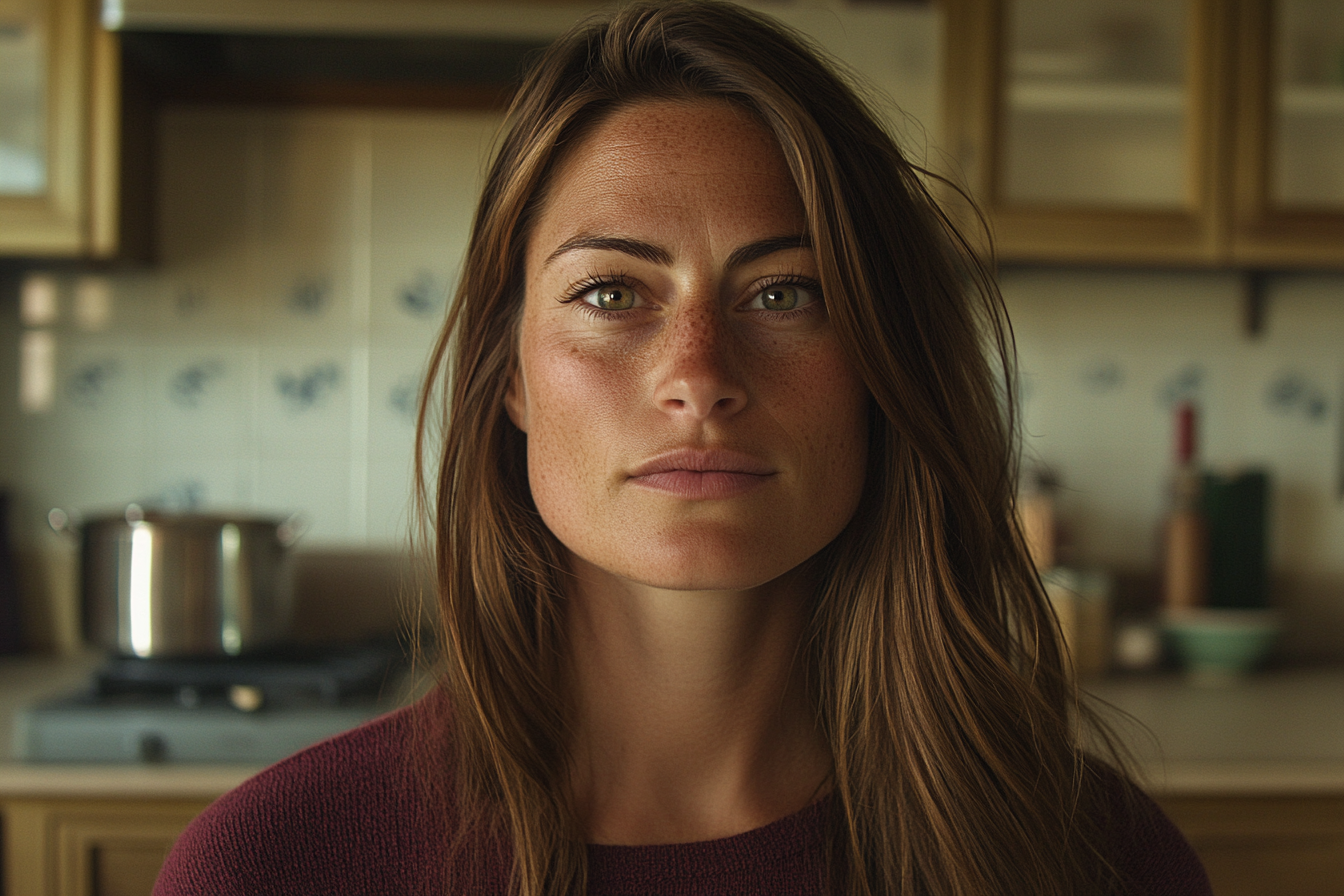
(421, 54)
(417, 54)
(390, 52)
(535, 21)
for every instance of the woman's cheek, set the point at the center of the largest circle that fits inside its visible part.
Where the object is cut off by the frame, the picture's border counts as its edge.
(574, 401)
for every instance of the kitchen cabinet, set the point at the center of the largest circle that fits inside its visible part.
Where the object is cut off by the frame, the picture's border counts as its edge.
(89, 847)
(1191, 133)
(1262, 845)
(1252, 845)
(60, 118)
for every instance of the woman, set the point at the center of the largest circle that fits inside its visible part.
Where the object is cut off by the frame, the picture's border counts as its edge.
(732, 596)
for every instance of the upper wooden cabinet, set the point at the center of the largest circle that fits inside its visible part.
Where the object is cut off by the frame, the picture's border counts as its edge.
(1187, 132)
(59, 130)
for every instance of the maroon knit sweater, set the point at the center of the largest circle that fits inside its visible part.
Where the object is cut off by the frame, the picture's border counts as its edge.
(348, 816)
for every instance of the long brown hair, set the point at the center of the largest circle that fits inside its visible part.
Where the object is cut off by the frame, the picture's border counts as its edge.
(934, 661)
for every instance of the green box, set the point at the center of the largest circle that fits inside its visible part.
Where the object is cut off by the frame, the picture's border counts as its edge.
(1236, 508)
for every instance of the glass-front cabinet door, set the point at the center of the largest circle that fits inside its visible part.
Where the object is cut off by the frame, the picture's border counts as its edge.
(57, 122)
(1087, 129)
(1190, 132)
(1094, 106)
(23, 98)
(1289, 176)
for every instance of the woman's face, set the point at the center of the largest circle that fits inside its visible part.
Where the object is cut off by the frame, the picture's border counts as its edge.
(691, 420)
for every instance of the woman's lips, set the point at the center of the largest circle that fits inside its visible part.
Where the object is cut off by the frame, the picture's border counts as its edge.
(698, 485)
(702, 474)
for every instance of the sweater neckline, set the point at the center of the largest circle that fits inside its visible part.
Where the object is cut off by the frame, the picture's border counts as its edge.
(798, 828)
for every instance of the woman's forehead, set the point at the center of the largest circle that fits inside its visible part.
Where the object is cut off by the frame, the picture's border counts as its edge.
(658, 162)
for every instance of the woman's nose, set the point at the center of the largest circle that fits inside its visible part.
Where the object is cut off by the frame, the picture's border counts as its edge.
(697, 375)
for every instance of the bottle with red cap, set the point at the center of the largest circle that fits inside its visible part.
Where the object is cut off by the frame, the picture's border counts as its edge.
(1186, 535)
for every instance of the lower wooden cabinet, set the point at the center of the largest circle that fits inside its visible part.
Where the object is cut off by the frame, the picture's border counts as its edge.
(1251, 845)
(1266, 845)
(65, 847)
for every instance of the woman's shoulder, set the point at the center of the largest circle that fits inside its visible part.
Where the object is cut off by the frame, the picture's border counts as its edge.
(351, 814)
(1150, 853)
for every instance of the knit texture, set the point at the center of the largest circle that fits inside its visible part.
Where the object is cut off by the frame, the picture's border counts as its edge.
(349, 816)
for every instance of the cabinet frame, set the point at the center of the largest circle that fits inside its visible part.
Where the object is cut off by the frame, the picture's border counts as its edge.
(1255, 845)
(52, 846)
(1263, 234)
(78, 213)
(1228, 217)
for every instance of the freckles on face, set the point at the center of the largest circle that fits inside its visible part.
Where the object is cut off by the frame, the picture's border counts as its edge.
(691, 420)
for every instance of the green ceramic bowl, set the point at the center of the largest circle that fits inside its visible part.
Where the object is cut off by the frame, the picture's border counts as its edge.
(1217, 646)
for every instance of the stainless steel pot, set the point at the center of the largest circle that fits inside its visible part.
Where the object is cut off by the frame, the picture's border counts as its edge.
(184, 585)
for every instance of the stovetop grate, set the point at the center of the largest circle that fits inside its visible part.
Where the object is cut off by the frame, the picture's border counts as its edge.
(327, 675)
(138, 710)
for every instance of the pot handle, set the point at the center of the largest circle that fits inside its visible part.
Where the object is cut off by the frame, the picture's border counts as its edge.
(292, 529)
(69, 522)
(63, 522)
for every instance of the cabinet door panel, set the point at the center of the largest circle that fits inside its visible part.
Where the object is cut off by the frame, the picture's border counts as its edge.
(1308, 85)
(102, 852)
(60, 143)
(1245, 866)
(1094, 103)
(127, 869)
(1089, 131)
(1289, 166)
(71, 847)
(48, 215)
(1266, 846)
(23, 98)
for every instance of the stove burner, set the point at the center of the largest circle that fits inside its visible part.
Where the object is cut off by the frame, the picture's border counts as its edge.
(255, 710)
(296, 675)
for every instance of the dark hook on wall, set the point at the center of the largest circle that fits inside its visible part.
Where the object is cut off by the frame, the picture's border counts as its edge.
(1255, 296)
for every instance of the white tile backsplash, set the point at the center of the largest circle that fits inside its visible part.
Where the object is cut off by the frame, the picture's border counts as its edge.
(1104, 355)
(270, 362)
(389, 513)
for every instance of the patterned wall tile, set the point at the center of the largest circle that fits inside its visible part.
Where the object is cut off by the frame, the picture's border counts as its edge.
(317, 488)
(304, 402)
(202, 397)
(390, 509)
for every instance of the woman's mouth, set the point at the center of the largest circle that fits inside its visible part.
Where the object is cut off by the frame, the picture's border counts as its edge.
(702, 474)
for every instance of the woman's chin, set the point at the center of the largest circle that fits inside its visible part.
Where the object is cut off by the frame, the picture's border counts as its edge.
(693, 571)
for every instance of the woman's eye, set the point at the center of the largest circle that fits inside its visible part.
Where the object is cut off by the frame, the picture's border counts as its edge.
(613, 297)
(782, 297)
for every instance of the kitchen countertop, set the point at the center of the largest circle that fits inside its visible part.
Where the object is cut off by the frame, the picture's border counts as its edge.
(1278, 732)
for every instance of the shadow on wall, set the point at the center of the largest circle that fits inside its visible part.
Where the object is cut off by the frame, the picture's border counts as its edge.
(345, 595)
(1313, 611)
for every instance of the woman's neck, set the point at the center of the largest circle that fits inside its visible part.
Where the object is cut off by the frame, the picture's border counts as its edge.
(691, 718)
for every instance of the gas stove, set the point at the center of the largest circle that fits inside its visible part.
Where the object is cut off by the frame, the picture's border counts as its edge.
(255, 710)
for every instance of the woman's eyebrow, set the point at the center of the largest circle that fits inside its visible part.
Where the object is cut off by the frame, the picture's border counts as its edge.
(658, 255)
(761, 248)
(635, 248)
